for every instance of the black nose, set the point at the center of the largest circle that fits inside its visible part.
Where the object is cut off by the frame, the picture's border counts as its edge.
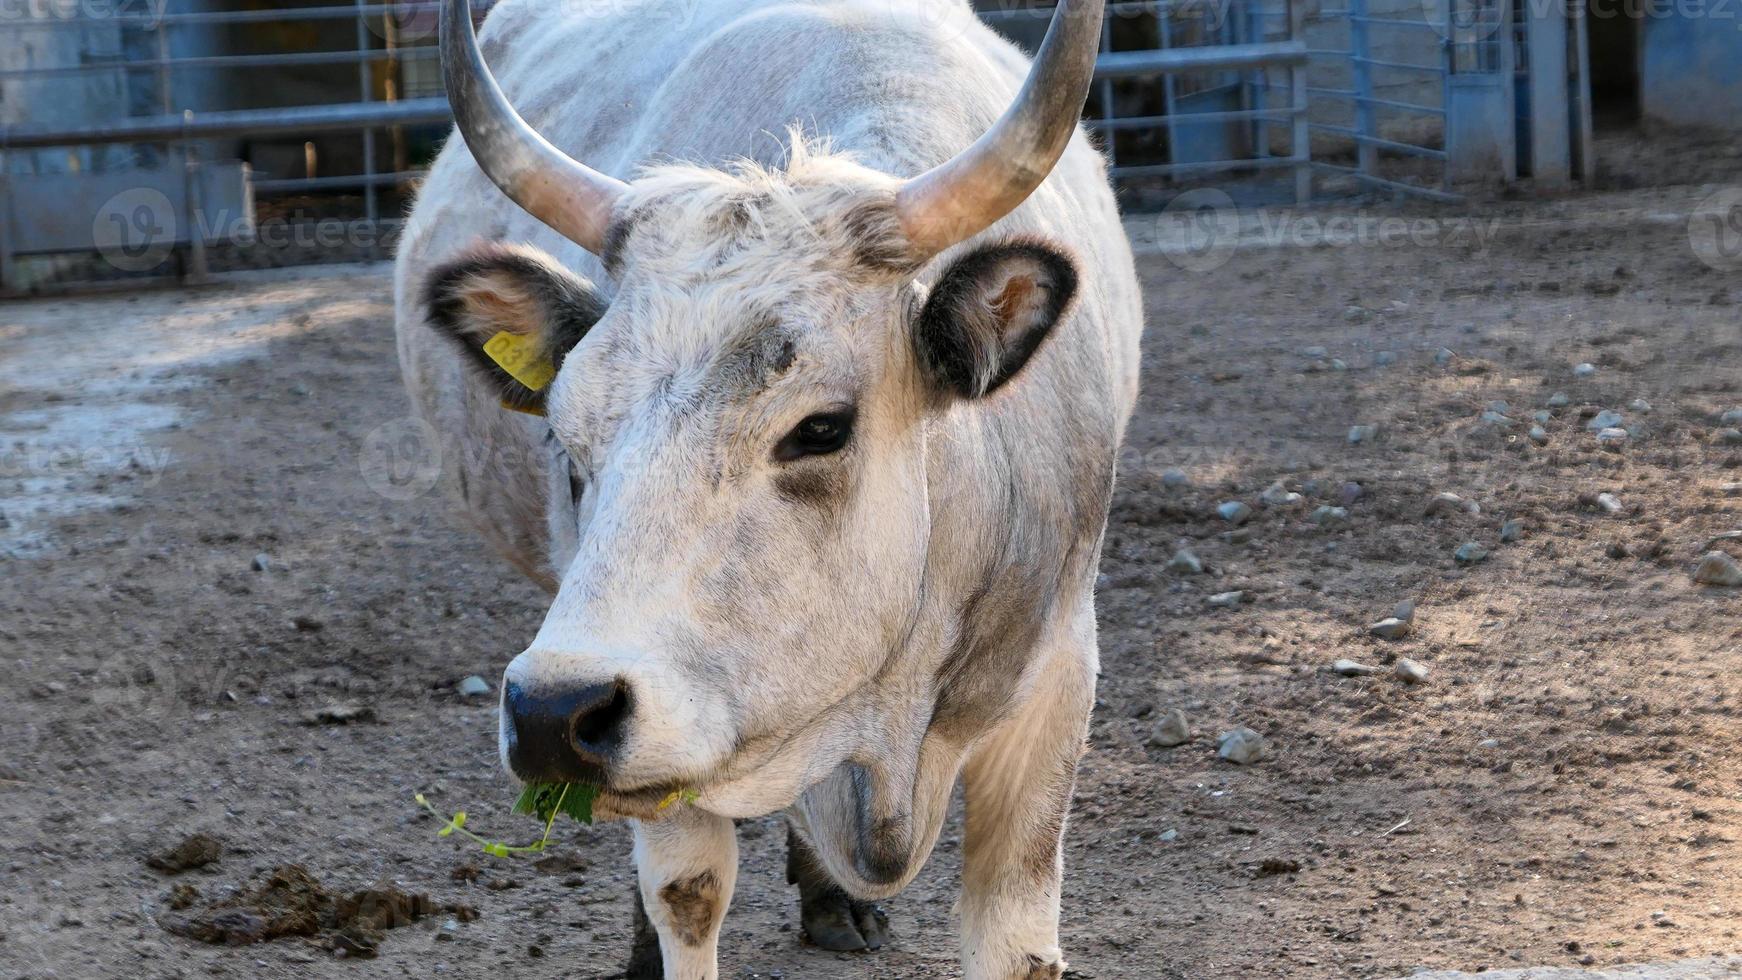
(566, 735)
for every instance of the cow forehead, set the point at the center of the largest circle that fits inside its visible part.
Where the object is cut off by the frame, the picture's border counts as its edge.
(701, 365)
(821, 216)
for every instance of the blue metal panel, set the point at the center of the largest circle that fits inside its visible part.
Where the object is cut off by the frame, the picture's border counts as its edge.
(1691, 70)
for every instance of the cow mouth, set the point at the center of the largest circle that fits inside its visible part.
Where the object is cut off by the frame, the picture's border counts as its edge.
(644, 803)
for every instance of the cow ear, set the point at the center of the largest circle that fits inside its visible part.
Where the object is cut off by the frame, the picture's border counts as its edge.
(990, 312)
(516, 314)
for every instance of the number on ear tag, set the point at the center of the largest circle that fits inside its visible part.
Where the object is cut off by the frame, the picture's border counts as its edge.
(519, 355)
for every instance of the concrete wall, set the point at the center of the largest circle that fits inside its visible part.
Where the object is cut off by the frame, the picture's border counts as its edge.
(1691, 70)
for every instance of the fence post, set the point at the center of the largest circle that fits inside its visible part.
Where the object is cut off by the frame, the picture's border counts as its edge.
(1550, 123)
(1302, 138)
(366, 93)
(1360, 51)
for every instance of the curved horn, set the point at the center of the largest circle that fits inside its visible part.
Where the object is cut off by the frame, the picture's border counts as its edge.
(554, 188)
(964, 195)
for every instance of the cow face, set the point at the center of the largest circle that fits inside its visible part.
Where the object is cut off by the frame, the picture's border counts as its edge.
(742, 522)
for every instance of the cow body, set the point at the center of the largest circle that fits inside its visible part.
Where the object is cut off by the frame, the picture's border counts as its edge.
(980, 658)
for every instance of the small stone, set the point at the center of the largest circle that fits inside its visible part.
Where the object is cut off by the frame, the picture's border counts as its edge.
(1542, 416)
(1641, 406)
(1511, 531)
(195, 851)
(1185, 563)
(1488, 743)
(1171, 730)
(1410, 672)
(1559, 400)
(1227, 600)
(472, 687)
(1727, 437)
(339, 714)
(1730, 489)
(1612, 439)
(1173, 479)
(1499, 406)
(1606, 419)
(1469, 553)
(1617, 550)
(1351, 668)
(1326, 514)
(1538, 435)
(1349, 493)
(1718, 568)
(1242, 746)
(1390, 628)
(1277, 495)
(1584, 370)
(261, 562)
(1168, 836)
(1732, 417)
(1610, 503)
(1444, 356)
(1404, 610)
(1447, 503)
(1495, 418)
(1234, 511)
(1385, 358)
(1362, 433)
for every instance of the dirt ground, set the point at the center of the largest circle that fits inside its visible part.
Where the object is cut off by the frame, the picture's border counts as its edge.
(1564, 790)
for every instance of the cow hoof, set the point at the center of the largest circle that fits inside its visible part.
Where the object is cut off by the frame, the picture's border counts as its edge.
(837, 923)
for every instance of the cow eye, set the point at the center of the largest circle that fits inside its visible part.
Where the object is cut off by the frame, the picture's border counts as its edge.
(817, 435)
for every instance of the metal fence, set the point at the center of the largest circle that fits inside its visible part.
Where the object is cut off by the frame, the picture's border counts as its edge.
(334, 107)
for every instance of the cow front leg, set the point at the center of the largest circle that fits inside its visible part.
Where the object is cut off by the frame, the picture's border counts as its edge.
(1017, 788)
(686, 865)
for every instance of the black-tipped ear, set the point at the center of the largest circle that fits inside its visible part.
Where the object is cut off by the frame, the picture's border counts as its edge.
(990, 312)
(519, 291)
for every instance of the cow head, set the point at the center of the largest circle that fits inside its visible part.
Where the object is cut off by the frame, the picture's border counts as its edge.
(742, 531)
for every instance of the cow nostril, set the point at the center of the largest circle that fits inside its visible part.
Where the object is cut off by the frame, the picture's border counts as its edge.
(598, 727)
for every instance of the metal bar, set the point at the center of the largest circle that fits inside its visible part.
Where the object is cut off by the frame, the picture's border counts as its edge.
(1137, 64)
(1392, 185)
(1399, 65)
(1169, 90)
(1209, 166)
(245, 16)
(366, 94)
(296, 119)
(1343, 93)
(1301, 138)
(1365, 123)
(296, 185)
(289, 60)
(1189, 118)
(1587, 150)
(1109, 111)
(1380, 143)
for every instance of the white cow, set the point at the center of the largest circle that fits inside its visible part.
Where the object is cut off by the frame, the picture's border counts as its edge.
(805, 403)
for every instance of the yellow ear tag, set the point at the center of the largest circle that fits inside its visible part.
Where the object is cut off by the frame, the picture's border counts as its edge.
(518, 354)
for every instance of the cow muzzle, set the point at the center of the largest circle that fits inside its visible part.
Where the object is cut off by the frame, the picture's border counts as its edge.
(565, 732)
